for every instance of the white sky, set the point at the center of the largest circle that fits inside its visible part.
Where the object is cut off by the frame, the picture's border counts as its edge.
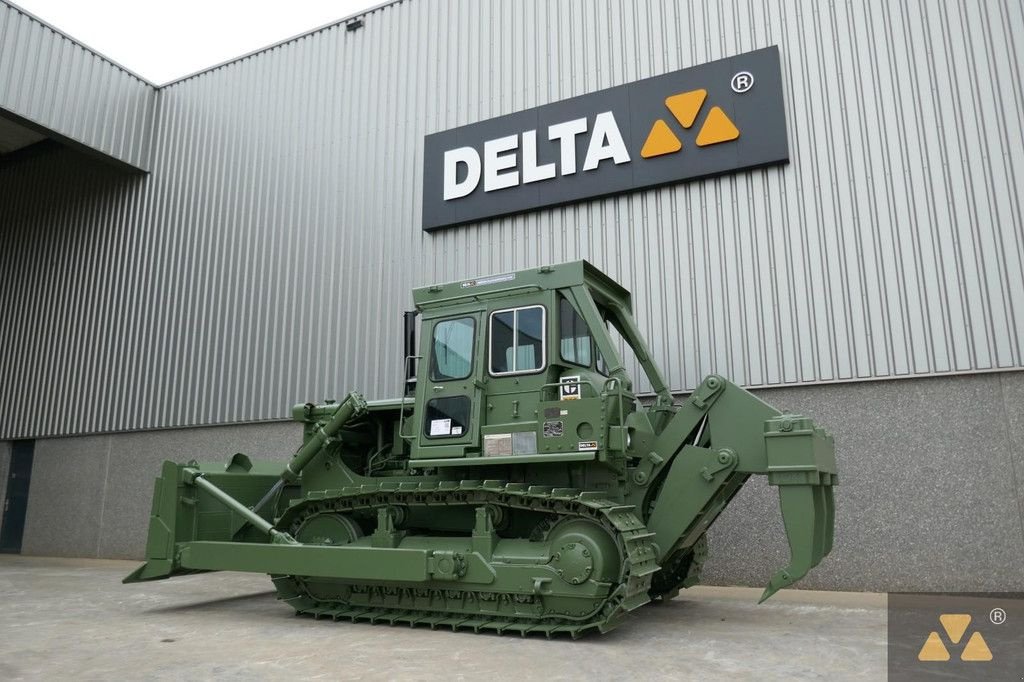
(162, 41)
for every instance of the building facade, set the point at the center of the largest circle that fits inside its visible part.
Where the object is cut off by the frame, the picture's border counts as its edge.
(180, 264)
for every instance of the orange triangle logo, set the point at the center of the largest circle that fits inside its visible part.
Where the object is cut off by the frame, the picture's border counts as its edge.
(686, 105)
(955, 625)
(933, 649)
(717, 128)
(661, 140)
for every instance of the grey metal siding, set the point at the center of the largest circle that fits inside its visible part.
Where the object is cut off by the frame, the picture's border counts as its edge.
(63, 86)
(267, 257)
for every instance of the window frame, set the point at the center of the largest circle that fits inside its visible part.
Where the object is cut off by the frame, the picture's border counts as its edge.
(590, 335)
(433, 348)
(515, 329)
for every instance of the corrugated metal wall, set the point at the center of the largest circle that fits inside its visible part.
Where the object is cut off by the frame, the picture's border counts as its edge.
(267, 257)
(65, 87)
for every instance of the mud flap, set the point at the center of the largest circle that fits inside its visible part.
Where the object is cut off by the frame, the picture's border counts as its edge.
(182, 513)
(801, 462)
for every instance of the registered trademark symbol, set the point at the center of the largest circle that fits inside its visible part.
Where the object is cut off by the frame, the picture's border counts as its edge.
(997, 616)
(742, 81)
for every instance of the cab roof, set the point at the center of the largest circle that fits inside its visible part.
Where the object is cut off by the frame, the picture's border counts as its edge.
(560, 276)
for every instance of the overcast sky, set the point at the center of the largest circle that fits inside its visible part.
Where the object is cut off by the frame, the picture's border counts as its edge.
(162, 41)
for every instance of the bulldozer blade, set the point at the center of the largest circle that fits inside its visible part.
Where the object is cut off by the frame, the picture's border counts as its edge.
(182, 513)
(807, 513)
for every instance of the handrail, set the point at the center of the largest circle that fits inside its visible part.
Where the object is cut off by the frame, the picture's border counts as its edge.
(401, 408)
(617, 383)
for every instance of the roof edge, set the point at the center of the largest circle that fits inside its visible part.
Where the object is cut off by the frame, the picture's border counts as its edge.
(76, 41)
(200, 72)
(298, 36)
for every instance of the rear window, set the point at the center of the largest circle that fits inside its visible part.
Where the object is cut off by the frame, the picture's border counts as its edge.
(575, 343)
(517, 340)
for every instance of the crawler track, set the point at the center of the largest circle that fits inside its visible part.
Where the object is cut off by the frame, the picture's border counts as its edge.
(453, 605)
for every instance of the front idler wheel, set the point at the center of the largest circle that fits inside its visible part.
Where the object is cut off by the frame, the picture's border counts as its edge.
(582, 550)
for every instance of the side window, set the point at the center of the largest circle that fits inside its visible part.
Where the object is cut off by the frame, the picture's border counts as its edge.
(517, 340)
(602, 365)
(451, 355)
(573, 334)
(626, 354)
(447, 417)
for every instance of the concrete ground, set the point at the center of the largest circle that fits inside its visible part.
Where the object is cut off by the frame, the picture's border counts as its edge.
(72, 617)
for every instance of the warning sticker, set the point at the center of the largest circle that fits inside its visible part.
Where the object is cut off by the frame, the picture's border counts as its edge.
(441, 427)
(497, 444)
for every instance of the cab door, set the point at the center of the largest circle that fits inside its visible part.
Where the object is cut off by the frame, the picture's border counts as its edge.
(449, 387)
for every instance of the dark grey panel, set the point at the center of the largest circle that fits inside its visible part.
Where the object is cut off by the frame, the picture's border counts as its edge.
(759, 113)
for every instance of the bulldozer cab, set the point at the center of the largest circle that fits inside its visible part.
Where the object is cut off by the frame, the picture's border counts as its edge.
(522, 365)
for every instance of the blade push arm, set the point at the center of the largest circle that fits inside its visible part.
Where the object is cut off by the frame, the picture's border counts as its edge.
(715, 441)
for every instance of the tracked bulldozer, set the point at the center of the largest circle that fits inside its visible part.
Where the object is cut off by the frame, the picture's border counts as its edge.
(518, 485)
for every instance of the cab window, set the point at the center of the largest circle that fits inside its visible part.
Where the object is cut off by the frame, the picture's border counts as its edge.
(447, 417)
(574, 336)
(517, 340)
(452, 350)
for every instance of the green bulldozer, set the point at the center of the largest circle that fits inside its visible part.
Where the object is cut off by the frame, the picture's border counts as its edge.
(519, 485)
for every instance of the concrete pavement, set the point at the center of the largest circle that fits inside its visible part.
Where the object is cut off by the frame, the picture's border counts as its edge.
(72, 617)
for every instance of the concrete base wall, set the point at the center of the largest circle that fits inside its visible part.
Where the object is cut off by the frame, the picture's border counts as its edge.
(931, 492)
(91, 495)
(5, 463)
(931, 496)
